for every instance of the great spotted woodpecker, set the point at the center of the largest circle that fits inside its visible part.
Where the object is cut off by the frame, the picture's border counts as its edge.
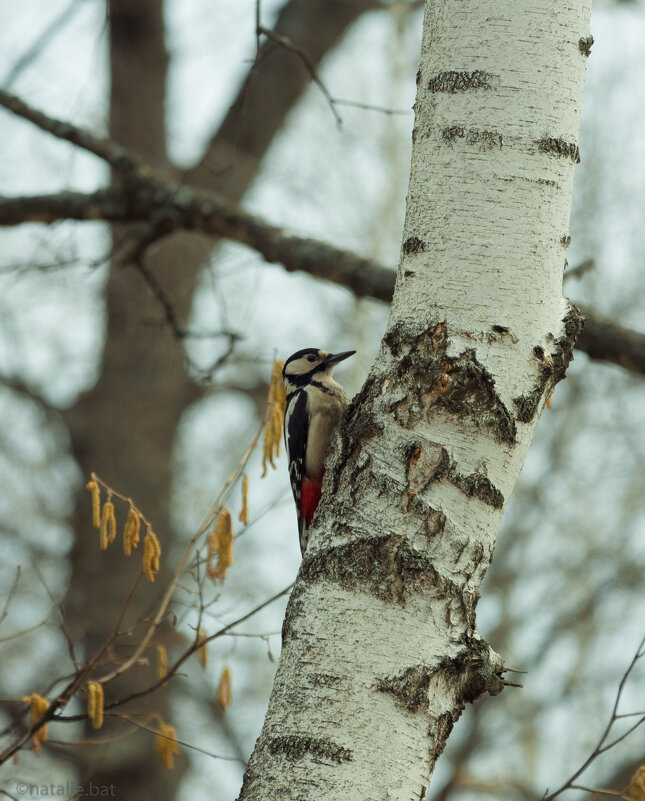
(315, 403)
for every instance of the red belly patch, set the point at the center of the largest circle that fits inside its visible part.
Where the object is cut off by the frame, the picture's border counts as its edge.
(311, 489)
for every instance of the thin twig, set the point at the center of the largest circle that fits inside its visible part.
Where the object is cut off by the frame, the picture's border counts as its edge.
(602, 744)
(207, 522)
(116, 156)
(601, 791)
(370, 107)
(188, 653)
(183, 743)
(580, 269)
(284, 41)
(41, 43)
(12, 592)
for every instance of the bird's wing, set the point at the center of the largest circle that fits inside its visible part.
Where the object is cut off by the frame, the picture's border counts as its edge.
(296, 429)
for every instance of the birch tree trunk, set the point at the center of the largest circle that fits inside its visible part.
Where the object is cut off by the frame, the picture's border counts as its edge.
(380, 645)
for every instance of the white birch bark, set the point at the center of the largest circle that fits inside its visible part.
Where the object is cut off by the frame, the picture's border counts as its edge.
(380, 649)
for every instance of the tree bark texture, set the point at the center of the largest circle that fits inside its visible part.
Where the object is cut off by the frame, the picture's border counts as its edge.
(380, 645)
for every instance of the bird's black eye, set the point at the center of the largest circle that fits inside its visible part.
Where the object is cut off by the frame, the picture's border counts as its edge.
(311, 358)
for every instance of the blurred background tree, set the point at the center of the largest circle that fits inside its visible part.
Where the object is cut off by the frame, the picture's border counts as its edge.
(154, 375)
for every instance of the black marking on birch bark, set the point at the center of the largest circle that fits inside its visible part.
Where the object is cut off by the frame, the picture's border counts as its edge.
(323, 680)
(357, 425)
(477, 485)
(454, 81)
(552, 370)
(584, 45)
(439, 733)
(559, 148)
(410, 688)
(414, 135)
(413, 245)
(418, 79)
(500, 333)
(543, 181)
(565, 240)
(471, 673)
(423, 793)
(409, 274)
(487, 140)
(295, 610)
(469, 391)
(384, 566)
(298, 746)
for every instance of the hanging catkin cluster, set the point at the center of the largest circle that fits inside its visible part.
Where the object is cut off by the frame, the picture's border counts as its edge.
(275, 412)
(95, 702)
(220, 544)
(104, 519)
(151, 554)
(39, 706)
(166, 744)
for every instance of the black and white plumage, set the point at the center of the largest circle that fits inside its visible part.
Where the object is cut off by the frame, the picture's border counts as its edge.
(315, 403)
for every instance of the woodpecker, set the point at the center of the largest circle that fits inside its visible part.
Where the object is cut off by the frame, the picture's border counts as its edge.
(315, 403)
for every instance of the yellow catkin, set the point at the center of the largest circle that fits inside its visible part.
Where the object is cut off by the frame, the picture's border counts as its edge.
(39, 706)
(162, 661)
(244, 514)
(151, 554)
(131, 532)
(93, 487)
(202, 652)
(277, 403)
(166, 744)
(637, 784)
(220, 543)
(95, 702)
(107, 531)
(224, 689)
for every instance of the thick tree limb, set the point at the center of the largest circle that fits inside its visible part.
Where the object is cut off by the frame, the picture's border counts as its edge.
(604, 339)
(153, 200)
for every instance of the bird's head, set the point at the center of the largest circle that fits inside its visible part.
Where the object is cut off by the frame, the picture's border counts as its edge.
(304, 365)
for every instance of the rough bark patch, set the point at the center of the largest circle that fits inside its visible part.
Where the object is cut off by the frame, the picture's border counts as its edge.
(384, 566)
(584, 45)
(477, 485)
(469, 391)
(553, 368)
(296, 746)
(559, 148)
(410, 689)
(460, 384)
(471, 673)
(454, 81)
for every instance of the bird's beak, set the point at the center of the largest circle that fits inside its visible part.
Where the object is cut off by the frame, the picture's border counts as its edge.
(334, 358)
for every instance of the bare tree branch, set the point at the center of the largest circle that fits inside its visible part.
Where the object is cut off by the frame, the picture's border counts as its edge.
(166, 206)
(150, 200)
(116, 156)
(604, 743)
(604, 339)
